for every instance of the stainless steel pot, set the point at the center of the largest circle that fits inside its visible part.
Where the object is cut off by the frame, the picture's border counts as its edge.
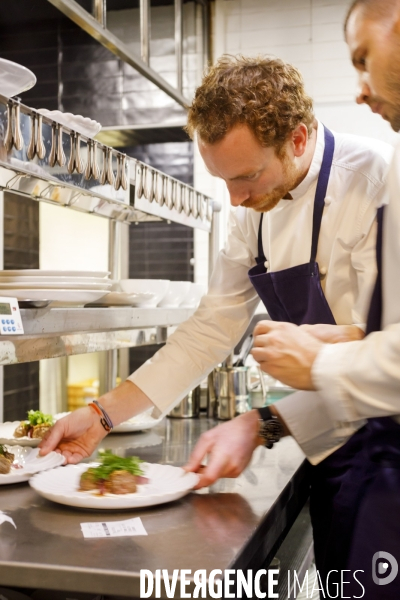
(229, 392)
(189, 407)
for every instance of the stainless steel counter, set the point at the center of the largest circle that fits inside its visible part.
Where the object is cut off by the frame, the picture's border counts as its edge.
(236, 523)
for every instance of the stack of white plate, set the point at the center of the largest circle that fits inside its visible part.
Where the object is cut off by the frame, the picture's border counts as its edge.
(61, 288)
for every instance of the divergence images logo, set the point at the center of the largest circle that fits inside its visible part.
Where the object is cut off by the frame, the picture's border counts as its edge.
(380, 566)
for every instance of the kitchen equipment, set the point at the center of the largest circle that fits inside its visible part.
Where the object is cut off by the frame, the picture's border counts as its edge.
(10, 317)
(189, 407)
(244, 351)
(176, 293)
(229, 392)
(158, 287)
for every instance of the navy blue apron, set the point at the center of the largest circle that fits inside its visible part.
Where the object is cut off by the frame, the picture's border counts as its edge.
(295, 295)
(377, 525)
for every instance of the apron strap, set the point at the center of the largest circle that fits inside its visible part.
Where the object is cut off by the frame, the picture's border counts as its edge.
(322, 185)
(319, 201)
(375, 309)
(261, 256)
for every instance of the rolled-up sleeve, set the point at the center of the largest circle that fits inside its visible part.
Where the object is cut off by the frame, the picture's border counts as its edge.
(209, 335)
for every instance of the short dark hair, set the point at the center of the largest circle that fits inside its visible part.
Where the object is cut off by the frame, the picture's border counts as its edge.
(373, 8)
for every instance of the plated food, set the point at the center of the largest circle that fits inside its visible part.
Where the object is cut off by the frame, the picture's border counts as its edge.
(36, 425)
(114, 475)
(19, 463)
(6, 460)
(166, 483)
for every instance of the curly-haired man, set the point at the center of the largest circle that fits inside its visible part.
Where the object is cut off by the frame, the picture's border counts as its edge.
(302, 239)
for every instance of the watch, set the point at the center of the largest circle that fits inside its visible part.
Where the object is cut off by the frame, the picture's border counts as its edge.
(270, 429)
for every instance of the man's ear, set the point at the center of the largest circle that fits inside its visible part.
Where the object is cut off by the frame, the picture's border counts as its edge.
(299, 139)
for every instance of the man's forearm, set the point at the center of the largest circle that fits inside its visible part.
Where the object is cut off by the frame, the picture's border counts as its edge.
(124, 402)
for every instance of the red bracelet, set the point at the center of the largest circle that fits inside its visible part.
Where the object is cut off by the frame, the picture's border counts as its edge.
(102, 419)
(96, 409)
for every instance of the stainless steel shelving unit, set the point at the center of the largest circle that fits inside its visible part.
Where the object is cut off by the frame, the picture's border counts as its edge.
(46, 161)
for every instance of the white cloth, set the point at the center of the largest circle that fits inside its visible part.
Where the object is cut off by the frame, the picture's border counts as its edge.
(346, 249)
(357, 380)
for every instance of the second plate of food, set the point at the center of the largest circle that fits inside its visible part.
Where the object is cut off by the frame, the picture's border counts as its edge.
(165, 484)
(19, 463)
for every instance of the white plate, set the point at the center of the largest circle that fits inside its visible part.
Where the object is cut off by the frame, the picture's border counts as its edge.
(52, 273)
(139, 423)
(14, 78)
(78, 123)
(30, 462)
(55, 286)
(7, 435)
(61, 297)
(18, 279)
(166, 484)
(123, 299)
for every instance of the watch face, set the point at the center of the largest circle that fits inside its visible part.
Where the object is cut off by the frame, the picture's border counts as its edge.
(271, 431)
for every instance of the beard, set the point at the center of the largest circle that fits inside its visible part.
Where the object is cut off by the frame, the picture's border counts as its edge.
(266, 202)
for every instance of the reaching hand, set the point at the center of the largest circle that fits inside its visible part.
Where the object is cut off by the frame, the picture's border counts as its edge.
(286, 352)
(229, 448)
(76, 436)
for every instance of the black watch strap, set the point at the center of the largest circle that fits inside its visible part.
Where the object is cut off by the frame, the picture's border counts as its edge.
(265, 413)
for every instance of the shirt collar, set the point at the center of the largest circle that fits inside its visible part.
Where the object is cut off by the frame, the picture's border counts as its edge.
(315, 166)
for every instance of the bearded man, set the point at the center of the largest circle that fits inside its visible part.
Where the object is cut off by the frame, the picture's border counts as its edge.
(302, 239)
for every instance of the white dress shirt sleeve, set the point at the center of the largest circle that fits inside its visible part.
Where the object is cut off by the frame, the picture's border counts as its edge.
(209, 335)
(356, 380)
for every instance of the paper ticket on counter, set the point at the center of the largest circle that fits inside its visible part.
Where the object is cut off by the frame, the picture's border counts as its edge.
(104, 529)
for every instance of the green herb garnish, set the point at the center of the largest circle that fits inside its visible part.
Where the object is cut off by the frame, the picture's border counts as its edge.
(110, 463)
(2, 451)
(36, 417)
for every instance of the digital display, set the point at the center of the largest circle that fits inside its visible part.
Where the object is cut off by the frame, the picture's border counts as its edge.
(5, 309)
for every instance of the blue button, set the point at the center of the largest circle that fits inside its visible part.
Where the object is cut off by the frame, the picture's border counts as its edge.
(4, 329)
(14, 329)
(8, 321)
(12, 322)
(9, 328)
(3, 321)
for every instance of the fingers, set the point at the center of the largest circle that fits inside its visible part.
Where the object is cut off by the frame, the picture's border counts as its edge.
(200, 451)
(268, 326)
(51, 439)
(216, 468)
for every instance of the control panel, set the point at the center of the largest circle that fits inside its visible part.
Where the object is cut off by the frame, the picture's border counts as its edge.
(10, 317)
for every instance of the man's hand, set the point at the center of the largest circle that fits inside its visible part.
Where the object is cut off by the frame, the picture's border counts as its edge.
(76, 436)
(229, 448)
(334, 334)
(286, 352)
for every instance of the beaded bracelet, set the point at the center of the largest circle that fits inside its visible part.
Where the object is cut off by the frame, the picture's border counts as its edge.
(105, 419)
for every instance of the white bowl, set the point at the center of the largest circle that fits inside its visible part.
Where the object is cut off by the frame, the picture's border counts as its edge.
(177, 291)
(158, 287)
(194, 295)
(83, 125)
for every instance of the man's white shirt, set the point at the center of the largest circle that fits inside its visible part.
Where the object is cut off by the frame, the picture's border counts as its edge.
(346, 252)
(359, 380)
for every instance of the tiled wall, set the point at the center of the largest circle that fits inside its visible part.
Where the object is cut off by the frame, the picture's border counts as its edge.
(308, 34)
(21, 251)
